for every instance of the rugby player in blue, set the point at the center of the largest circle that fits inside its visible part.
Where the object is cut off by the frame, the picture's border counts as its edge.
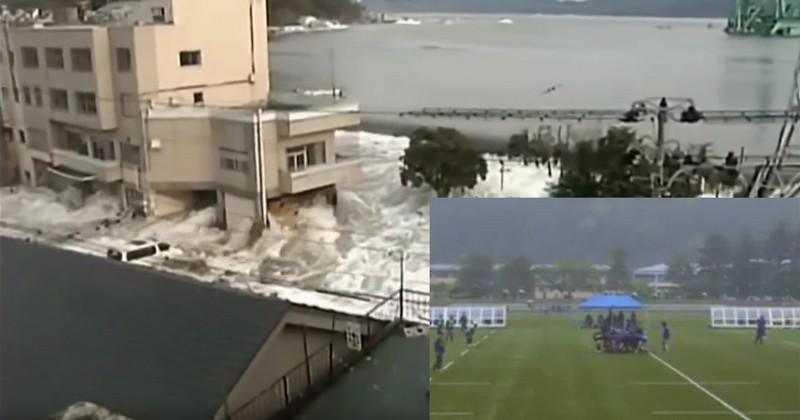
(470, 333)
(438, 348)
(665, 334)
(761, 330)
(451, 325)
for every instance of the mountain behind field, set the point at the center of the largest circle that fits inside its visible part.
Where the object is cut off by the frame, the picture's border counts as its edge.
(546, 230)
(655, 8)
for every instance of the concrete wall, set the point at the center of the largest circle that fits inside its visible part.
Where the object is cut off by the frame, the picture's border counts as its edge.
(271, 158)
(234, 140)
(231, 72)
(186, 151)
(281, 353)
(170, 202)
(315, 122)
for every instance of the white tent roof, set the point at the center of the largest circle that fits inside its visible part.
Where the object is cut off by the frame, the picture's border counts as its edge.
(658, 269)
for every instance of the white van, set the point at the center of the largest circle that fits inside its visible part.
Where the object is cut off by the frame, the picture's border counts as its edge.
(138, 250)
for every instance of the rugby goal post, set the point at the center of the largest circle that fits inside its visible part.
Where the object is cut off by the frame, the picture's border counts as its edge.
(746, 317)
(486, 316)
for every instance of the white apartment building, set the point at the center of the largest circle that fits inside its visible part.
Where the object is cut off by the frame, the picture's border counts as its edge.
(164, 103)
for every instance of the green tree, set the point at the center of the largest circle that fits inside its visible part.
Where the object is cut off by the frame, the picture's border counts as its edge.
(681, 272)
(778, 245)
(609, 167)
(746, 276)
(518, 146)
(715, 260)
(619, 276)
(477, 277)
(442, 159)
(794, 265)
(574, 275)
(516, 275)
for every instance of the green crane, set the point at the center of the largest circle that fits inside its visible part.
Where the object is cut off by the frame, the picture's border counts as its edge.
(779, 18)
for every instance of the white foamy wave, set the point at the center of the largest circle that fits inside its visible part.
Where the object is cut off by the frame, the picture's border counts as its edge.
(353, 248)
(45, 208)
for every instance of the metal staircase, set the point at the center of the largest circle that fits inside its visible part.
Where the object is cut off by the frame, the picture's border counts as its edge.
(768, 180)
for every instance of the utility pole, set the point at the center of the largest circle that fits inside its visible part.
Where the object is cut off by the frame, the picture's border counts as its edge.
(502, 173)
(402, 283)
(663, 109)
(333, 74)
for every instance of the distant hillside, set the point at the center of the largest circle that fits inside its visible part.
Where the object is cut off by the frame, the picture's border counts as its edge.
(656, 8)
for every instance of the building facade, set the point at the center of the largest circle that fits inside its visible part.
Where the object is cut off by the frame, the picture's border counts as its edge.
(164, 103)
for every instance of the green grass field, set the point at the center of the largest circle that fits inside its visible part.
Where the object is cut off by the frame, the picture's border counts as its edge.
(543, 367)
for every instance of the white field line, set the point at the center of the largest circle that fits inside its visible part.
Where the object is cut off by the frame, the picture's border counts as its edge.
(700, 387)
(464, 353)
(791, 343)
(733, 383)
(722, 413)
(461, 383)
(465, 414)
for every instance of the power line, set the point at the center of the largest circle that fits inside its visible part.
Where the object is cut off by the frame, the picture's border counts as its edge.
(503, 114)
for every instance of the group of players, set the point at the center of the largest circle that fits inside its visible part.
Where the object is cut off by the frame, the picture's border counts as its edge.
(617, 334)
(445, 331)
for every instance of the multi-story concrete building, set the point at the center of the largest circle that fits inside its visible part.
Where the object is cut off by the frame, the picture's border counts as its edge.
(165, 103)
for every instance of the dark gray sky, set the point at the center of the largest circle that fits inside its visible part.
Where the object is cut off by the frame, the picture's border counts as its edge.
(548, 229)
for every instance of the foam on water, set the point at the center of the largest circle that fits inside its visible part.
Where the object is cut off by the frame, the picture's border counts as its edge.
(353, 248)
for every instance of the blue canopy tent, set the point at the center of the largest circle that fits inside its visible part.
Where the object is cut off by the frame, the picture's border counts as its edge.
(610, 303)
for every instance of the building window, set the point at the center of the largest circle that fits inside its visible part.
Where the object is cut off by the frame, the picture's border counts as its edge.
(22, 136)
(86, 102)
(198, 98)
(37, 96)
(11, 61)
(128, 105)
(190, 58)
(297, 158)
(54, 58)
(234, 164)
(159, 14)
(81, 59)
(5, 93)
(301, 157)
(1, 57)
(16, 95)
(26, 94)
(59, 99)
(30, 57)
(123, 60)
(103, 150)
(75, 143)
